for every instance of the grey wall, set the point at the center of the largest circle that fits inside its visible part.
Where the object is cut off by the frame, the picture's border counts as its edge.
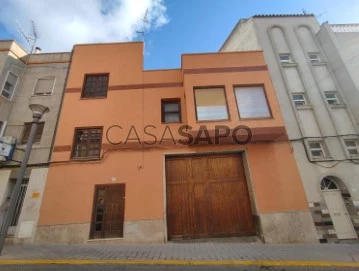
(342, 52)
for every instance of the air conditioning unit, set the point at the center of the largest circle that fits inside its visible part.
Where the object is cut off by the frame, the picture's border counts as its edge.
(7, 147)
(8, 140)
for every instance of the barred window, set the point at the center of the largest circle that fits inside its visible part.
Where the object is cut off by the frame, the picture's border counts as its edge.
(87, 143)
(95, 86)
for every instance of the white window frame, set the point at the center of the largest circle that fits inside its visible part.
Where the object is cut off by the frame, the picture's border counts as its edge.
(290, 60)
(314, 60)
(332, 99)
(44, 94)
(300, 100)
(3, 86)
(356, 147)
(2, 129)
(322, 149)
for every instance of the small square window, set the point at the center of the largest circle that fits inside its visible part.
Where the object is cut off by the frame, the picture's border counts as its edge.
(95, 86)
(171, 110)
(331, 98)
(317, 149)
(27, 129)
(285, 58)
(314, 58)
(87, 143)
(352, 147)
(299, 99)
(44, 86)
(9, 86)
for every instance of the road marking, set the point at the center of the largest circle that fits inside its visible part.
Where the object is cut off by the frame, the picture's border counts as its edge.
(180, 262)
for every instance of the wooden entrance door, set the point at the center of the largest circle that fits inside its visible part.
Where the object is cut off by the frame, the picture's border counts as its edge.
(108, 211)
(207, 196)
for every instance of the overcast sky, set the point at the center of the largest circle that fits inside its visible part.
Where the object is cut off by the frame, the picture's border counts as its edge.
(173, 27)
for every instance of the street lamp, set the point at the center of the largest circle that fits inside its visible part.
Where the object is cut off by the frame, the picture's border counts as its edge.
(37, 111)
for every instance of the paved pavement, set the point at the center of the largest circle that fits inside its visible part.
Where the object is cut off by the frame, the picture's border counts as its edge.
(213, 251)
(163, 268)
(181, 256)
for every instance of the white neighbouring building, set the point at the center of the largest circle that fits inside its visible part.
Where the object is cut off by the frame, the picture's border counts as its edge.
(28, 79)
(316, 82)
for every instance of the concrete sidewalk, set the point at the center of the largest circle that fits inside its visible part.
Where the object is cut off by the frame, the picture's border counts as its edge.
(211, 253)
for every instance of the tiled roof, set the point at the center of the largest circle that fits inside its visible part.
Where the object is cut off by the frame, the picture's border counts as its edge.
(283, 15)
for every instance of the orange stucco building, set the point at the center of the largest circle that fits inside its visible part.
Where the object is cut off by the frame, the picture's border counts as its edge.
(151, 156)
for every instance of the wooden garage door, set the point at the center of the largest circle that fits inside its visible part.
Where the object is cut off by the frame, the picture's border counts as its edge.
(207, 196)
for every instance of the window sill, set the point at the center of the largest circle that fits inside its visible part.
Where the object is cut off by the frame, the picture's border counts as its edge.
(174, 122)
(84, 159)
(304, 107)
(41, 95)
(319, 63)
(337, 105)
(92, 98)
(292, 64)
(204, 121)
(263, 118)
(322, 159)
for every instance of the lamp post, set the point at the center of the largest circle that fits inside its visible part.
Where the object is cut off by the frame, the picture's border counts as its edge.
(37, 111)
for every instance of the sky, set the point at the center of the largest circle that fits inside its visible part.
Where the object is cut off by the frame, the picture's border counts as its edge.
(172, 27)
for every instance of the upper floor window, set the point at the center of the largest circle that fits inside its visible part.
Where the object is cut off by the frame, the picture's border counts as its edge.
(211, 103)
(317, 149)
(95, 86)
(87, 143)
(44, 86)
(252, 102)
(331, 97)
(9, 85)
(299, 99)
(314, 57)
(27, 129)
(171, 110)
(285, 58)
(352, 147)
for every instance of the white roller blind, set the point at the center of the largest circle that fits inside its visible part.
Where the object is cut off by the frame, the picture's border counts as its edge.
(211, 104)
(252, 102)
(44, 85)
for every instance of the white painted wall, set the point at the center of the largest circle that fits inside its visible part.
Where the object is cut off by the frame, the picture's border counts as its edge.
(25, 231)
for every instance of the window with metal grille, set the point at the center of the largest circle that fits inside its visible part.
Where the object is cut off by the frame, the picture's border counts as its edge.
(352, 147)
(299, 99)
(331, 97)
(44, 86)
(317, 149)
(171, 110)
(9, 86)
(87, 143)
(211, 104)
(27, 129)
(95, 86)
(19, 201)
(252, 102)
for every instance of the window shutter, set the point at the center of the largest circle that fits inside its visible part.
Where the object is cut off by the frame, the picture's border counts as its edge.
(252, 102)
(44, 85)
(211, 104)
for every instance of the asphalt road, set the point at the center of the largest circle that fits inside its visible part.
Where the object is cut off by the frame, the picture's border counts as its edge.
(158, 268)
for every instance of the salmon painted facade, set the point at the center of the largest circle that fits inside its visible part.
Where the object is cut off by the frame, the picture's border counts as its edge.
(158, 155)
